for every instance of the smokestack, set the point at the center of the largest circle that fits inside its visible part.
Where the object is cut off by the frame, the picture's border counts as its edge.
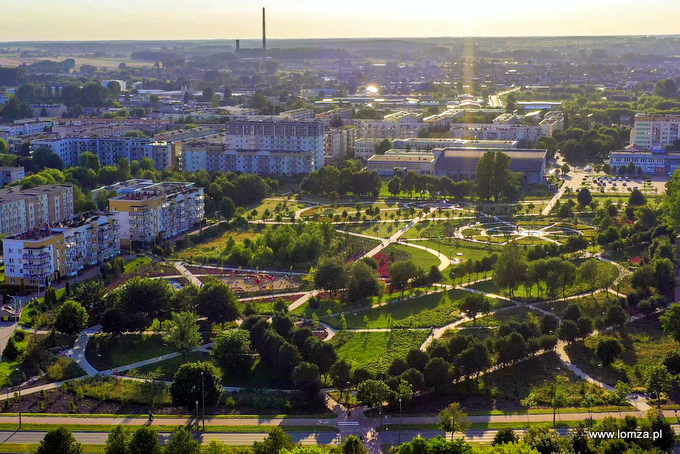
(238, 44)
(264, 38)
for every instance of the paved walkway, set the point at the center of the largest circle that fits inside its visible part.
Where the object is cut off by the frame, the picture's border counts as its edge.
(179, 266)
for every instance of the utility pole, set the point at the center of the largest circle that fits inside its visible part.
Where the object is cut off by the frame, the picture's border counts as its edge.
(202, 401)
(399, 439)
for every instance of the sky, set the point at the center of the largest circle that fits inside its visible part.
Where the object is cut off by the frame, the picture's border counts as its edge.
(47, 20)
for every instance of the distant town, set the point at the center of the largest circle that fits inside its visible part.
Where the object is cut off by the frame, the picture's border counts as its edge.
(463, 245)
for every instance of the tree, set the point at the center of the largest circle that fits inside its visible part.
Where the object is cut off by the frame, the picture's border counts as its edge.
(71, 318)
(666, 88)
(274, 443)
(383, 146)
(474, 305)
(232, 353)
(151, 297)
(542, 439)
(185, 389)
(615, 315)
(353, 445)
(436, 373)
(11, 352)
(584, 197)
(394, 185)
(401, 272)
(494, 178)
(307, 379)
(670, 321)
(216, 447)
(568, 331)
(608, 350)
(572, 312)
(59, 441)
(331, 275)
(373, 392)
(89, 160)
(657, 380)
(340, 373)
(181, 332)
(504, 436)
(217, 302)
(182, 443)
(44, 157)
(117, 441)
(144, 441)
(636, 198)
(510, 268)
(453, 419)
(363, 282)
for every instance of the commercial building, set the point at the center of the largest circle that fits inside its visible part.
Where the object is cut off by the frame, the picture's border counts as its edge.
(110, 151)
(651, 130)
(46, 254)
(461, 163)
(391, 162)
(24, 210)
(429, 144)
(656, 161)
(10, 175)
(147, 210)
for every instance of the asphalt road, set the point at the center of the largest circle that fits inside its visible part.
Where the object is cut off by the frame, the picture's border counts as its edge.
(237, 439)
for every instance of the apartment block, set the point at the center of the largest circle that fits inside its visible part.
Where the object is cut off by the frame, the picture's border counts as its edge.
(651, 130)
(147, 210)
(24, 210)
(24, 128)
(46, 254)
(10, 175)
(109, 150)
(339, 142)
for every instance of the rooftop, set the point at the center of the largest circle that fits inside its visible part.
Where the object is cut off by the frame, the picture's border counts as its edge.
(15, 193)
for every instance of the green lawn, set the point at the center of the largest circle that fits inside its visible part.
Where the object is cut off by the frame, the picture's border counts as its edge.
(165, 370)
(467, 249)
(421, 258)
(106, 352)
(644, 344)
(377, 229)
(376, 351)
(437, 309)
(593, 306)
(515, 314)
(435, 229)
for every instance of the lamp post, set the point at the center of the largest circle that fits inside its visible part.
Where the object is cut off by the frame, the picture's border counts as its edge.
(202, 401)
(197, 416)
(382, 378)
(399, 438)
(348, 389)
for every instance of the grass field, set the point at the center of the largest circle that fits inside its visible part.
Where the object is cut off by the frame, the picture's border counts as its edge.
(593, 306)
(376, 351)
(165, 370)
(421, 258)
(437, 309)
(213, 248)
(435, 229)
(467, 249)
(644, 344)
(514, 314)
(377, 229)
(106, 352)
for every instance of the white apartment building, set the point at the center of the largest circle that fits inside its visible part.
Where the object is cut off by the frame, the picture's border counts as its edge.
(148, 210)
(44, 254)
(24, 210)
(500, 131)
(24, 128)
(364, 148)
(655, 130)
(110, 151)
(10, 175)
(339, 143)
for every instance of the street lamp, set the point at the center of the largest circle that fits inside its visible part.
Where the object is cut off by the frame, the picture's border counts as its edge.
(202, 401)
(382, 378)
(197, 416)
(348, 389)
(399, 439)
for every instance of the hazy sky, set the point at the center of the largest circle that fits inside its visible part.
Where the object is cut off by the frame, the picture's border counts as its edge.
(212, 19)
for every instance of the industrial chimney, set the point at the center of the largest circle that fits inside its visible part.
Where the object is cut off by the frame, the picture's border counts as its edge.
(238, 44)
(264, 39)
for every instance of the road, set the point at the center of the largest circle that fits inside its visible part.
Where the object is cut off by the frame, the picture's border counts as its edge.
(237, 439)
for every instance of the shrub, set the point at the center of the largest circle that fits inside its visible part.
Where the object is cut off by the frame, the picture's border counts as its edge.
(63, 369)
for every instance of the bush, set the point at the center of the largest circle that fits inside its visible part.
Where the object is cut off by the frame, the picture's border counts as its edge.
(186, 385)
(19, 335)
(63, 369)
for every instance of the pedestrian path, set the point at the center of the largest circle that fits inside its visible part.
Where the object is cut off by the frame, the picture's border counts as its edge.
(179, 266)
